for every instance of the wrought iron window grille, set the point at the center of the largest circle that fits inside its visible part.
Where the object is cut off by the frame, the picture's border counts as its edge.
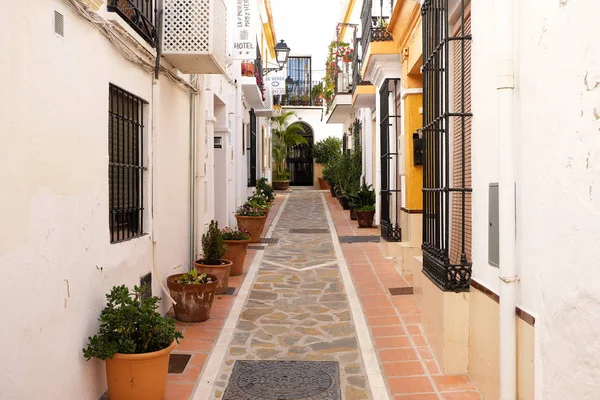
(390, 130)
(252, 149)
(139, 14)
(438, 188)
(125, 165)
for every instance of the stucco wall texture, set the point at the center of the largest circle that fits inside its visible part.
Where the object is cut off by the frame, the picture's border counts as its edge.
(557, 159)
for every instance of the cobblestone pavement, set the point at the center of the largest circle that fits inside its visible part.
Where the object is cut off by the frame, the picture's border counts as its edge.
(297, 308)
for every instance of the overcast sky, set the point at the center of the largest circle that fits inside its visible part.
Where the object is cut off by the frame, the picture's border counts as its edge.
(307, 26)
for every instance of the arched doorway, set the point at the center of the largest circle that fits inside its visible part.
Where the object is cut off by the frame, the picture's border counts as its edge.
(300, 158)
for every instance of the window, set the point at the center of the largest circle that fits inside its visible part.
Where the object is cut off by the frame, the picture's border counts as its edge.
(446, 137)
(139, 14)
(125, 165)
(389, 109)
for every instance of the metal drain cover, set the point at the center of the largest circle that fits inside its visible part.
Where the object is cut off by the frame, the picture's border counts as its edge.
(399, 291)
(269, 240)
(359, 239)
(308, 230)
(284, 380)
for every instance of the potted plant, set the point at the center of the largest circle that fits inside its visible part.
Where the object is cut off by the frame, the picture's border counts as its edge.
(364, 202)
(266, 190)
(193, 294)
(213, 262)
(259, 201)
(135, 341)
(236, 244)
(324, 153)
(285, 135)
(252, 220)
(317, 92)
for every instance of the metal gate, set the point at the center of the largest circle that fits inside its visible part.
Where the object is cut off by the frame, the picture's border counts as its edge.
(300, 160)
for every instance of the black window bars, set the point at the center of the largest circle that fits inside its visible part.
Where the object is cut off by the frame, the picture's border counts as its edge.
(125, 165)
(448, 274)
(389, 132)
(252, 148)
(139, 14)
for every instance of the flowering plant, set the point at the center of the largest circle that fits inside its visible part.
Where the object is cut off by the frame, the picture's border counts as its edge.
(248, 211)
(235, 234)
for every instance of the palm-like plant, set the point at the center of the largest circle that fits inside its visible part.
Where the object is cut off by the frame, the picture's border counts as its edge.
(285, 135)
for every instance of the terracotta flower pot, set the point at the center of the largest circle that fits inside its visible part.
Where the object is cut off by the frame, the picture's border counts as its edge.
(332, 191)
(344, 202)
(138, 376)
(235, 250)
(265, 210)
(323, 184)
(365, 218)
(281, 185)
(193, 301)
(220, 271)
(353, 216)
(254, 225)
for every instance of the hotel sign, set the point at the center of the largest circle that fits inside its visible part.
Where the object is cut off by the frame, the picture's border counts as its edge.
(244, 39)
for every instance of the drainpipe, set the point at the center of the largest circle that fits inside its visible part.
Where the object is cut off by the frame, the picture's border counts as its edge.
(192, 178)
(507, 199)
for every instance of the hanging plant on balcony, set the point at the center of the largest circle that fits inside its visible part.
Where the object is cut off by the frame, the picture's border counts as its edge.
(332, 69)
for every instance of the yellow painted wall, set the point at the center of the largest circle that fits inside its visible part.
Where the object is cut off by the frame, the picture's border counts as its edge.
(414, 174)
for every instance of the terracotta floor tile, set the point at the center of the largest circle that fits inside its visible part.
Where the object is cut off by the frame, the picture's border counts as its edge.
(198, 360)
(381, 311)
(407, 368)
(400, 354)
(425, 396)
(404, 301)
(200, 332)
(376, 304)
(419, 340)
(178, 391)
(219, 314)
(412, 319)
(432, 367)
(410, 385)
(451, 383)
(194, 345)
(425, 353)
(382, 331)
(461, 396)
(190, 374)
(392, 342)
(389, 320)
(414, 329)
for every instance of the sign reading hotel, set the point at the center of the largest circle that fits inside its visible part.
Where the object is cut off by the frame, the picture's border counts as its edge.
(244, 39)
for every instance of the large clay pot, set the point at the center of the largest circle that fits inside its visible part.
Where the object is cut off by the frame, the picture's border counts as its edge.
(193, 301)
(332, 191)
(323, 184)
(353, 213)
(365, 218)
(235, 250)
(344, 202)
(281, 185)
(254, 225)
(138, 376)
(220, 271)
(265, 210)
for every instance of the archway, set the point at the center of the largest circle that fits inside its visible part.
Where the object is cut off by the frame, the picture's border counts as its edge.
(300, 158)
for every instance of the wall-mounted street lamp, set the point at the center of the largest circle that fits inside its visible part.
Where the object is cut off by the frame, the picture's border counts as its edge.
(282, 52)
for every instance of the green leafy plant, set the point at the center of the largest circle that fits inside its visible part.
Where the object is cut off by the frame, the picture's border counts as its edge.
(249, 211)
(262, 185)
(285, 135)
(327, 149)
(193, 278)
(257, 200)
(363, 199)
(317, 92)
(130, 324)
(212, 245)
(235, 234)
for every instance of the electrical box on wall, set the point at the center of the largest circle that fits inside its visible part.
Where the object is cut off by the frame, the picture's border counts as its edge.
(493, 229)
(218, 142)
(417, 150)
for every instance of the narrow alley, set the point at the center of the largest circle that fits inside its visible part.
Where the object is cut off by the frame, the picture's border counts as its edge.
(313, 318)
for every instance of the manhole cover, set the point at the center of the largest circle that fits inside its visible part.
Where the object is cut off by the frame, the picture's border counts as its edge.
(284, 380)
(359, 239)
(313, 230)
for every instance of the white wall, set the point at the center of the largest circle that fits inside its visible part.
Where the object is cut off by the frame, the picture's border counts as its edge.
(557, 162)
(316, 118)
(55, 247)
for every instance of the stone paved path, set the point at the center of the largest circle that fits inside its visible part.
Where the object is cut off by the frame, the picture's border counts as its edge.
(297, 308)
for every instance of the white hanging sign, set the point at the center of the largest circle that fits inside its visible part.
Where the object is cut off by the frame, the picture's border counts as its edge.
(276, 83)
(244, 39)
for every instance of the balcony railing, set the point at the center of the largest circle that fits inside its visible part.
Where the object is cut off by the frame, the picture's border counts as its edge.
(139, 14)
(301, 94)
(374, 23)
